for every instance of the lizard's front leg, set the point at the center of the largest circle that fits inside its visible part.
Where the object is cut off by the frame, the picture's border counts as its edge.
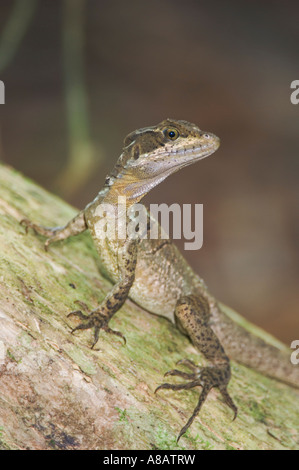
(74, 227)
(100, 317)
(192, 316)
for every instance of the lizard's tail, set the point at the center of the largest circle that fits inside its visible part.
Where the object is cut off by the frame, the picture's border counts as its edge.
(246, 348)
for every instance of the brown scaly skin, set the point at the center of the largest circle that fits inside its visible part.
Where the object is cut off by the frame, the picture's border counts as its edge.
(155, 275)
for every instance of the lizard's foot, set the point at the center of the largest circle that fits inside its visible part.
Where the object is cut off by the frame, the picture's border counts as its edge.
(50, 233)
(97, 320)
(207, 378)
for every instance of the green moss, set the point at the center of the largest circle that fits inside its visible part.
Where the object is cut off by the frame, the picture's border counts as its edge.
(164, 440)
(85, 363)
(43, 307)
(12, 357)
(199, 442)
(122, 414)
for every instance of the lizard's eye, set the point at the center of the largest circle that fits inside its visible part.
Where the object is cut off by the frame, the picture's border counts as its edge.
(171, 133)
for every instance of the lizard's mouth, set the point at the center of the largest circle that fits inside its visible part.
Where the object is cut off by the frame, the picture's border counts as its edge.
(188, 156)
(158, 168)
(174, 159)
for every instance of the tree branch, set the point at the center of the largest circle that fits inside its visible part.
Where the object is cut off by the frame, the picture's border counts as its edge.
(55, 392)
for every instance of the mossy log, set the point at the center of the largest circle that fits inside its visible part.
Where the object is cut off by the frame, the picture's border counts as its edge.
(57, 393)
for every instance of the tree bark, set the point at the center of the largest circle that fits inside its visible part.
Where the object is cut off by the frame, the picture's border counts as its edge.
(57, 393)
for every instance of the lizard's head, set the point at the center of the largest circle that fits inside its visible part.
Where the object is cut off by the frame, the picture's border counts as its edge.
(153, 153)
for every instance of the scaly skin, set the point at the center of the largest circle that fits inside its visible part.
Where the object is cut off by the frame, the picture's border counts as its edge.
(155, 275)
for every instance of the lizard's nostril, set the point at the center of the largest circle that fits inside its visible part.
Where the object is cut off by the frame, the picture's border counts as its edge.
(205, 135)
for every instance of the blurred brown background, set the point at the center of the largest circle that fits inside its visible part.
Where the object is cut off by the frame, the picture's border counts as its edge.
(81, 74)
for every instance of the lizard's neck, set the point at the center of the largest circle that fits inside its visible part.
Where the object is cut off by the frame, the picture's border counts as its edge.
(128, 186)
(116, 198)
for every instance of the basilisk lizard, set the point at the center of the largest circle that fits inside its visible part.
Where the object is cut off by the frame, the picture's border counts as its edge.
(154, 274)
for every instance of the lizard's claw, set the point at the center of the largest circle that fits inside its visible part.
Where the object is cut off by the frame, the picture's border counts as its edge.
(95, 320)
(207, 378)
(26, 223)
(44, 231)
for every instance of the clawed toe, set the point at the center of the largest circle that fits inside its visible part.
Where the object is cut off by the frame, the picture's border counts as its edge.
(40, 230)
(82, 305)
(189, 364)
(94, 320)
(186, 386)
(201, 400)
(115, 332)
(26, 223)
(79, 314)
(87, 322)
(228, 401)
(207, 378)
(182, 374)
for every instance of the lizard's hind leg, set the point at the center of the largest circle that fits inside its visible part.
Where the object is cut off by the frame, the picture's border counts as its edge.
(192, 316)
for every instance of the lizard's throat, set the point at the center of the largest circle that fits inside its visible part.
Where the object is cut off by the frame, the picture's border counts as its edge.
(130, 187)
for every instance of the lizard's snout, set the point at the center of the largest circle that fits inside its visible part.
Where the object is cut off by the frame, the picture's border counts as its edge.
(211, 139)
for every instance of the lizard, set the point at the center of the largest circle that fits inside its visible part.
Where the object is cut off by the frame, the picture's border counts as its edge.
(156, 276)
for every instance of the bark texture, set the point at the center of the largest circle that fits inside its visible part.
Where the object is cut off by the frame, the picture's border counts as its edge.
(57, 393)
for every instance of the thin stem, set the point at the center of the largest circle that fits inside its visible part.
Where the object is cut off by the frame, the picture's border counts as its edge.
(81, 161)
(15, 29)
